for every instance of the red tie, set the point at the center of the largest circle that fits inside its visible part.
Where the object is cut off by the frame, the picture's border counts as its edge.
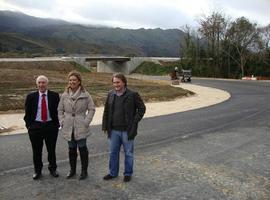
(43, 108)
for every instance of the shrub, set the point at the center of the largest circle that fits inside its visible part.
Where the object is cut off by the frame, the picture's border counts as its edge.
(150, 68)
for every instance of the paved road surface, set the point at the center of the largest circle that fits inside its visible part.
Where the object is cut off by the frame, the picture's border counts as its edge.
(218, 152)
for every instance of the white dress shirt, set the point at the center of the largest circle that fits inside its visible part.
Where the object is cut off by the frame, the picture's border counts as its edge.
(38, 117)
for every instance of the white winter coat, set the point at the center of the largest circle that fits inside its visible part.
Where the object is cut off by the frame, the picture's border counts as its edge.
(75, 115)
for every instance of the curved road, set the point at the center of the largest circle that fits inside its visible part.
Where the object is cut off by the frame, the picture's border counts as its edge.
(243, 123)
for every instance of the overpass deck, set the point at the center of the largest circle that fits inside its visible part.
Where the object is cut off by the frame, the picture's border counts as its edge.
(117, 59)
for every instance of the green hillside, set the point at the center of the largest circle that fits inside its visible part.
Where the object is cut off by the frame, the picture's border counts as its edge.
(25, 35)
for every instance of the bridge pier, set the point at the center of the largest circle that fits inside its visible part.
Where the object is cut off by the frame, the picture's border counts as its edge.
(125, 67)
(82, 62)
(112, 66)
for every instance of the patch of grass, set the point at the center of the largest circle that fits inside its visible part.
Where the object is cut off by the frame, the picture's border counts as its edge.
(79, 67)
(151, 68)
(18, 79)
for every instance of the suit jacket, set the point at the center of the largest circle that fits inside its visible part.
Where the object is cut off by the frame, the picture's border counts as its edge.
(31, 106)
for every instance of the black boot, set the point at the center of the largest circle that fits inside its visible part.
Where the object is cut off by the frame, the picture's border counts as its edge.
(72, 161)
(84, 162)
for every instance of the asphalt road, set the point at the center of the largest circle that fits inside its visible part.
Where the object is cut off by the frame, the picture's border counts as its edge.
(233, 134)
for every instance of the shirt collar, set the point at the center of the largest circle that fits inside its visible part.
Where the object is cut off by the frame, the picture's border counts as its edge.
(120, 93)
(40, 93)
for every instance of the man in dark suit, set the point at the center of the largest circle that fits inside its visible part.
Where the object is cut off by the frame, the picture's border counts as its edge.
(41, 121)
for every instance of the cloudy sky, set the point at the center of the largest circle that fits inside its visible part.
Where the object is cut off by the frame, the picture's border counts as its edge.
(140, 13)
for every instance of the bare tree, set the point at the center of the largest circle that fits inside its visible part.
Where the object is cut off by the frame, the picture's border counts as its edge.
(188, 45)
(243, 36)
(264, 33)
(213, 29)
(186, 41)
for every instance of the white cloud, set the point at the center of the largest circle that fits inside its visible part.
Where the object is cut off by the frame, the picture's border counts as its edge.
(139, 13)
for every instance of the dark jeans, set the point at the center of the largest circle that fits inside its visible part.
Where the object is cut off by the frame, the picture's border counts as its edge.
(39, 132)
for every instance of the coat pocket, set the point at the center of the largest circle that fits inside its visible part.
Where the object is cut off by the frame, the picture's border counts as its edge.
(133, 131)
(67, 125)
(86, 123)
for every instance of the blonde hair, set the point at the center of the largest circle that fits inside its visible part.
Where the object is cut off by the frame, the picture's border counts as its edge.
(78, 76)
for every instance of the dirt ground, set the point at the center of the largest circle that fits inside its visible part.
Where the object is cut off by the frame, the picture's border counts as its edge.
(13, 123)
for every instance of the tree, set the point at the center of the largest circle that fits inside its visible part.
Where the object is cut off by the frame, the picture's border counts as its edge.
(243, 36)
(188, 45)
(264, 33)
(213, 29)
(226, 48)
(264, 55)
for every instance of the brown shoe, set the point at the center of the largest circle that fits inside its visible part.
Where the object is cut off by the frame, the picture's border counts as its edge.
(108, 177)
(127, 178)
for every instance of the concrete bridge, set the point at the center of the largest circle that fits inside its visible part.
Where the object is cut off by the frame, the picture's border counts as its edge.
(109, 64)
(119, 64)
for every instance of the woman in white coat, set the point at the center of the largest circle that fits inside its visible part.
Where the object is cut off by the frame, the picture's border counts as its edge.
(75, 111)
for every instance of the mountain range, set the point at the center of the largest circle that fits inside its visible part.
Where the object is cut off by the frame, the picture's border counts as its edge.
(24, 35)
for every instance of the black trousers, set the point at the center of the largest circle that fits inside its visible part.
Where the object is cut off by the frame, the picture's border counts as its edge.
(38, 133)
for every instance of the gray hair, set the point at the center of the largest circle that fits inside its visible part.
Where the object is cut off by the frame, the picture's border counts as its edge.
(42, 77)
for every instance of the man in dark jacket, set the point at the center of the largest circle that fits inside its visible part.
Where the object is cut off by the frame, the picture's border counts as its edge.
(41, 121)
(123, 111)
